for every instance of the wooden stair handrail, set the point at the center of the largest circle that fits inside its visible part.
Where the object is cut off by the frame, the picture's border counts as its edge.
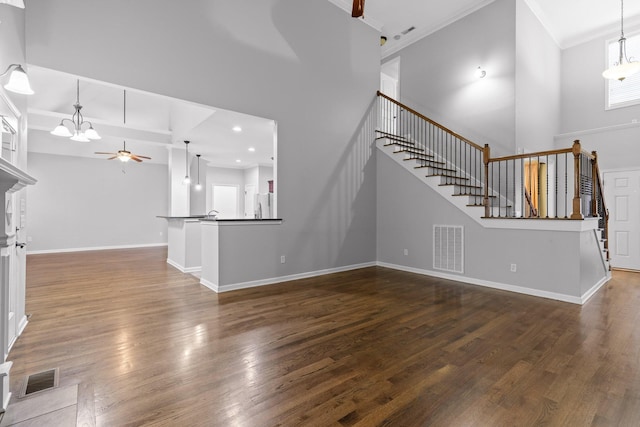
(530, 155)
(438, 125)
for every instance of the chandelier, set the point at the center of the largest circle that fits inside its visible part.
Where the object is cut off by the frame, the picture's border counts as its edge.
(76, 121)
(623, 68)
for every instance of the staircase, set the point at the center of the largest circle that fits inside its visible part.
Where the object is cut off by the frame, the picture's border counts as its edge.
(552, 185)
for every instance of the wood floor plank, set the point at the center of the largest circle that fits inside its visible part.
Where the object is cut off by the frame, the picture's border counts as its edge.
(149, 345)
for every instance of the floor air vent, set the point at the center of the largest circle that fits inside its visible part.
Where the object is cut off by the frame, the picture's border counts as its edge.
(41, 381)
(448, 248)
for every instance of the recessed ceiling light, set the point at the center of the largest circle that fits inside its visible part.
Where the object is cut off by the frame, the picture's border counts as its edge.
(237, 129)
(238, 160)
(252, 149)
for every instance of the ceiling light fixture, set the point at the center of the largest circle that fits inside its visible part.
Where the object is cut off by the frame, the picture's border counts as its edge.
(198, 185)
(237, 129)
(186, 180)
(252, 149)
(18, 80)
(77, 120)
(623, 68)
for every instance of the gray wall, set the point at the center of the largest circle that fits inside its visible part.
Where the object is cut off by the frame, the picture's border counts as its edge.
(89, 203)
(307, 65)
(408, 209)
(538, 60)
(609, 132)
(437, 76)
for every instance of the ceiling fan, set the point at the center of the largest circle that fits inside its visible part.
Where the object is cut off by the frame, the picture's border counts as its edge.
(358, 8)
(124, 155)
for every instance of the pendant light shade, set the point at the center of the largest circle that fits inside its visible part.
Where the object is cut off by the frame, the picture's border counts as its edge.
(623, 68)
(18, 81)
(198, 186)
(186, 180)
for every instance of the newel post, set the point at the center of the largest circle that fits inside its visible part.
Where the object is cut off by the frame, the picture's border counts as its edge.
(594, 184)
(577, 209)
(486, 155)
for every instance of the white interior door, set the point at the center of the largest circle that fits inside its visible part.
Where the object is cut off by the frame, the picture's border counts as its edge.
(622, 195)
(225, 201)
(249, 201)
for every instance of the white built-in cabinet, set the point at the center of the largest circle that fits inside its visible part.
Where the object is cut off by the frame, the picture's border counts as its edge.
(13, 180)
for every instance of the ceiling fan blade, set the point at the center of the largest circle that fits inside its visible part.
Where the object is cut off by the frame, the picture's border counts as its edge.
(358, 8)
(142, 157)
(133, 157)
(101, 152)
(111, 158)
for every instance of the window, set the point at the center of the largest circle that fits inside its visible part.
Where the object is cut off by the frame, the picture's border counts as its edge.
(626, 92)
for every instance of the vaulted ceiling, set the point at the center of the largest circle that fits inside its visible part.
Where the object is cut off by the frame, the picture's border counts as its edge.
(570, 22)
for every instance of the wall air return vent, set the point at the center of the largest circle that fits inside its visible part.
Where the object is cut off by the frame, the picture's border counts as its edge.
(448, 248)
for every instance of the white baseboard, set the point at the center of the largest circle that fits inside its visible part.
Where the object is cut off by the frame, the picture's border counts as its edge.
(183, 269)
(495, 285)
(595, 288)
(271, 281)
(96, 248)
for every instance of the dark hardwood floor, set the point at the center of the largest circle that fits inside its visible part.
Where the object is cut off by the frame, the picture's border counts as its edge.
(366, 348)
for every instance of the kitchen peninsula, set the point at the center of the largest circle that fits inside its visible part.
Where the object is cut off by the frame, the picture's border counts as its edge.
(220, 248)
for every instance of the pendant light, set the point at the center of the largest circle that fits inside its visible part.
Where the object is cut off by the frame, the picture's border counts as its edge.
(198, 185)
(77, 122)
(186, 180)
(623, 68)
(18, 80)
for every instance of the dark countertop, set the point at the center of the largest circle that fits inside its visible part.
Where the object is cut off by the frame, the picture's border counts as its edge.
(181, 217)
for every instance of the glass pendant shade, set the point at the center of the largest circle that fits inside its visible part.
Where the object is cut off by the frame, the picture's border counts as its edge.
(621, 71)
(198, 187)
(92, 134)
(186, 180)
(19, 82)
(61, 130)
(124, 158)
(80, 137)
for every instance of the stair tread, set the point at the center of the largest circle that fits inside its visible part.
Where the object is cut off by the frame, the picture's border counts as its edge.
(424, 158)
(464, 185)
(393, 135)
(474, 195)
(450, 176)
(407, 149)
(434, 167)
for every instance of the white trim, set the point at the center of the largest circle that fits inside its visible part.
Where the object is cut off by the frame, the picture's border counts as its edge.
(585, 297)
(419, 34)
(488, 284)
(184, 269)
(281, 279)
(597, 130)
(96, 248)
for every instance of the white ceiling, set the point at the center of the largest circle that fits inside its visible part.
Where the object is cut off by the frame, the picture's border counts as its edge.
(569, 22)
(153, 123)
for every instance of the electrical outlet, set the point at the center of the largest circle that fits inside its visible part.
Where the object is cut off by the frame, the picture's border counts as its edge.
(282, 259)
(406, 251)
(513, 268)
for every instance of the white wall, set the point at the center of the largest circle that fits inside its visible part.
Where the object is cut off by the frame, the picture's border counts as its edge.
(437, 76)
(307, 65)
(90, 203)
(538, 60)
